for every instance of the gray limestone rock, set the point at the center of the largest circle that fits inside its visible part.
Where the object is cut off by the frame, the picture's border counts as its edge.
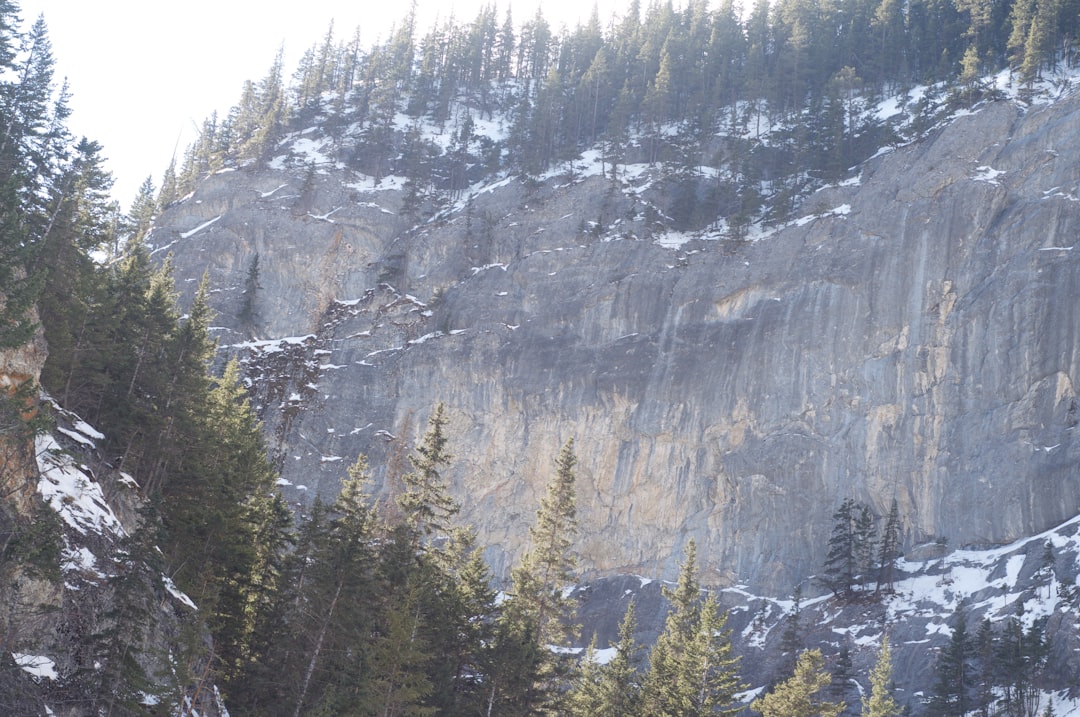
(909, 336)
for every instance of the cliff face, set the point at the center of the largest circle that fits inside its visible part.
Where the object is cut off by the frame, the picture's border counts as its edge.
(911, 336)
(19, 368)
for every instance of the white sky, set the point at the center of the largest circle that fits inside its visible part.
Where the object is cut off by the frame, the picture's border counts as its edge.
(144, 74)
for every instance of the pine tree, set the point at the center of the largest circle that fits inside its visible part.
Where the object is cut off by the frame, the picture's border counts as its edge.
(880, 702)
(796, 696)
(841, 563)
(584, 697)
(247, 315)
(462, 630)
(889, 549)
(950, 696)
(538, 614)
(426, 502)
(618, 687)
(865, 535)
(334, 611)
(30, 142)
(791, 639)
(985, 679)
(692, 668)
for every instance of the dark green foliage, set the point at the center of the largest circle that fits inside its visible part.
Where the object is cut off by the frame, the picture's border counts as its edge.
(612, 689)
(951, 695)
(529, 677)
(889, 549)
(1020, 656)
(426, 501)
(247, 314)
(692, 668)
(656, 85)
(35, 544)
(841, 565)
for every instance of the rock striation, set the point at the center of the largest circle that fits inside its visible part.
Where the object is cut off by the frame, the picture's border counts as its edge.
(911, 335)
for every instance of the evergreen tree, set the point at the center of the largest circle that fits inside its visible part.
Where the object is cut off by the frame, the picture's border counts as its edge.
(584, 697)
(880, 701)
(841, 563)
(29, 159)
(796, 696)
(889, 549)
(985, 679)
(618, 688)
(865, 535)
(692, 668)
(144, 208)
(791, 639)
(426, 502)
(247, 314)
(338, 590)
(530, 678)
(950, 696)
(1020, 657)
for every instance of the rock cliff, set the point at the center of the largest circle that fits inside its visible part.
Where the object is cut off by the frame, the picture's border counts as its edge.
(910, 335)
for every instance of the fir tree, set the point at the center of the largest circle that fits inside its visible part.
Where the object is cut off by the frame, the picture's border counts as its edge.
(692, 668)
(797, 695)
(619, 690)
(889, 549)
(426, 502)
(537, 616)
(880, 701)
(950, 696)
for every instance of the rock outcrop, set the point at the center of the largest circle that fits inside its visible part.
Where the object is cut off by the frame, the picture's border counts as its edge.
(910, 336)
(20, 370)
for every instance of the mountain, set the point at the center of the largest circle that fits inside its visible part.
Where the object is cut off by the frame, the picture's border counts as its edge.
(797, 338)
(907, 335)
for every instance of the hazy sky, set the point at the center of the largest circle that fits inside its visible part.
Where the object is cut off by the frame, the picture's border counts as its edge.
(144, 74)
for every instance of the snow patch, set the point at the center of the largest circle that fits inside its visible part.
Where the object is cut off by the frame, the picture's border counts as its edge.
(39, 666)
(196, 230)
(69, 491)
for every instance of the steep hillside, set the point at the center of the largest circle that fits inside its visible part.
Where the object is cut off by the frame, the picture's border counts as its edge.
(91, 623)
(908, 336)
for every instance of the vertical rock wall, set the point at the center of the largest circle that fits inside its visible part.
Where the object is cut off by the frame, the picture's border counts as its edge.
(911, 336)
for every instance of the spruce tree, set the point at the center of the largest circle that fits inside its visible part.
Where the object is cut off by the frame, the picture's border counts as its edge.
(841, 563)
(537, 617)
(880, 701)
(797, 695)
(693, 669)
(889, 549)
(426, 501)
(951, 693)
(619, 689)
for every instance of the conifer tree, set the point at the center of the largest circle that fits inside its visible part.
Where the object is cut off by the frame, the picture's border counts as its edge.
(338, 592)
(792, 639)
(692, 667)
(30, 139)
(841, 563)
(530, 678)
(797, 695)
(880, 701)
(426, 502)
(889, 549)
(985, 678)
(247, 314)
(950, 696)
(584, 696)
(618, 688)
